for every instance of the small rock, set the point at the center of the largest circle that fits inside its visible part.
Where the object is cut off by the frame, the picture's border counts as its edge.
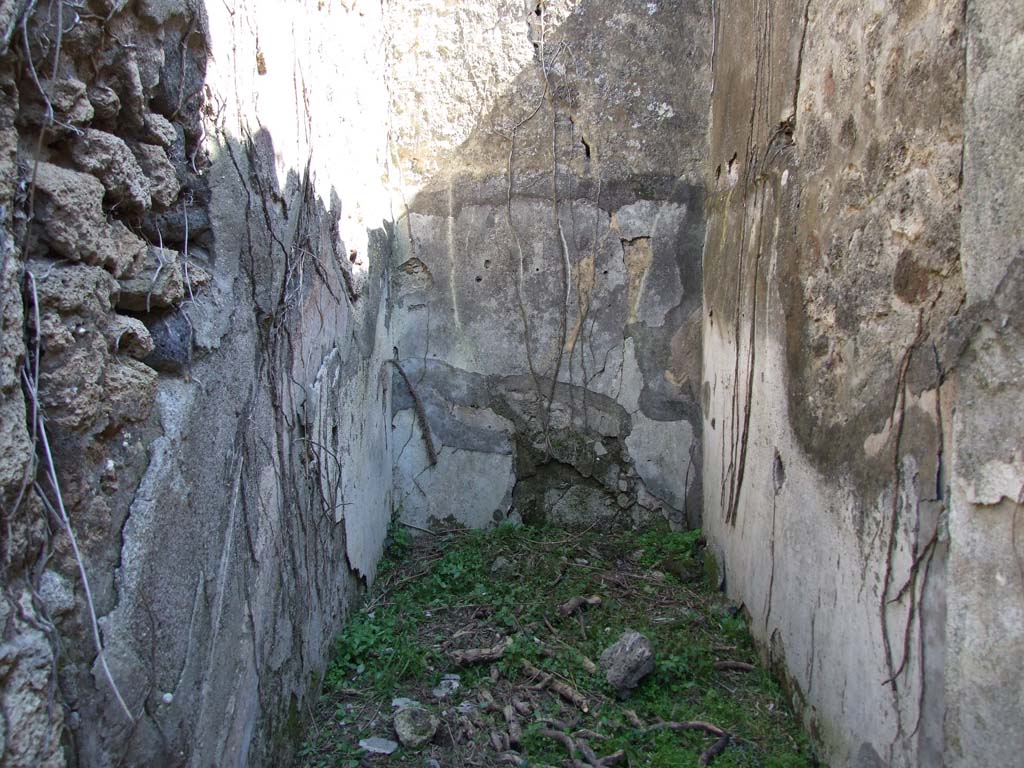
(67, 97)
(415, 726)
(378, 746)
(628, 661)
(725, 610)
(196, 278)
(432, 763)
(449, 685)
(623, 500)
(714, 567)
(179, 224)
(503, 568)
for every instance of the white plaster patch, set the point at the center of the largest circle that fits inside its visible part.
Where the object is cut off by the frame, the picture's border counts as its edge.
(468, 486)
(992, 482)
(660, 451)
(632, 380)
(662, 110)
(636, 220)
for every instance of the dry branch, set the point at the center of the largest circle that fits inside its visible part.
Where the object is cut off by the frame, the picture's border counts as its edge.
(515, 731)
(564, 690)
(587, 752)
(734, 666)
(499, 741)
(421, 414)
(562, 738)
(522, 707)
(714, 750)
(478, 655)
(574, 604)
(634, 719)
(687, 725)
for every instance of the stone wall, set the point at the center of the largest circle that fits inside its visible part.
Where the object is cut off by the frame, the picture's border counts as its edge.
(547, 274)
(985, 611)
(274, 272)
(851, 356)
(193, 203)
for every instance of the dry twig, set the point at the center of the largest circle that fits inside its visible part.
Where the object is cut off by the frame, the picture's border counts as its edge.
(574, 604)
(714, 750)
(564, 690)
(478, 655)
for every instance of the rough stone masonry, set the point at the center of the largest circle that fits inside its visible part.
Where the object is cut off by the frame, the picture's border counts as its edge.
(275, 274)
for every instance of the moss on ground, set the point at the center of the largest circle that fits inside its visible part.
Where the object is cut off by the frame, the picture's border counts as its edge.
(435, 595)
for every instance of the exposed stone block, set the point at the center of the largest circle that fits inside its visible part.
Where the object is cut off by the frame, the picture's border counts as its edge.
(69, 205)
(105, 101)
(109, 159)
(159, 129)
(158, 283)
(172, 339)
(163, 181)
(130, 336)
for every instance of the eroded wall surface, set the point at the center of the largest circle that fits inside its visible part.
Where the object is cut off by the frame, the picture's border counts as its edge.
(985, 613)
(194, 307)
(861, 253)
(546, 278)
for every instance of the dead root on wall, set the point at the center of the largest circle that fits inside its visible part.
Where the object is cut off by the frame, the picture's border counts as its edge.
(421, 414)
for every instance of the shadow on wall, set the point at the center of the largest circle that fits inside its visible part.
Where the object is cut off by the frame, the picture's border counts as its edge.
(292, 522)
(546, 287)
(208, 368)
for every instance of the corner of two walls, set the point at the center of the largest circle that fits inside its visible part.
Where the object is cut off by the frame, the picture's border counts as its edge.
(860, 491)
(203, 281)
(546, 278)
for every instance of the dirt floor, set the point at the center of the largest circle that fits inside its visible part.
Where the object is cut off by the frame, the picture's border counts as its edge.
(521, 617)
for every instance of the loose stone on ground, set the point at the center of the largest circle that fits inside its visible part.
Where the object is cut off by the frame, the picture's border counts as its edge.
(627, 662)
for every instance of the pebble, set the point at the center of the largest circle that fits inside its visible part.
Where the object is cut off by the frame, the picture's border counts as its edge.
(449, 685)
(378, 746)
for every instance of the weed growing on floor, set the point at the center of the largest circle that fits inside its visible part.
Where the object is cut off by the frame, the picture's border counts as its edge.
(436, 595)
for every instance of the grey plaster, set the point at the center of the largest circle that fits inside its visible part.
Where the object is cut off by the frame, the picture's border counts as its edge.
(561, 276)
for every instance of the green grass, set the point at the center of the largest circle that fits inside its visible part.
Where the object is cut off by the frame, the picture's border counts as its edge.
(650, 582)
